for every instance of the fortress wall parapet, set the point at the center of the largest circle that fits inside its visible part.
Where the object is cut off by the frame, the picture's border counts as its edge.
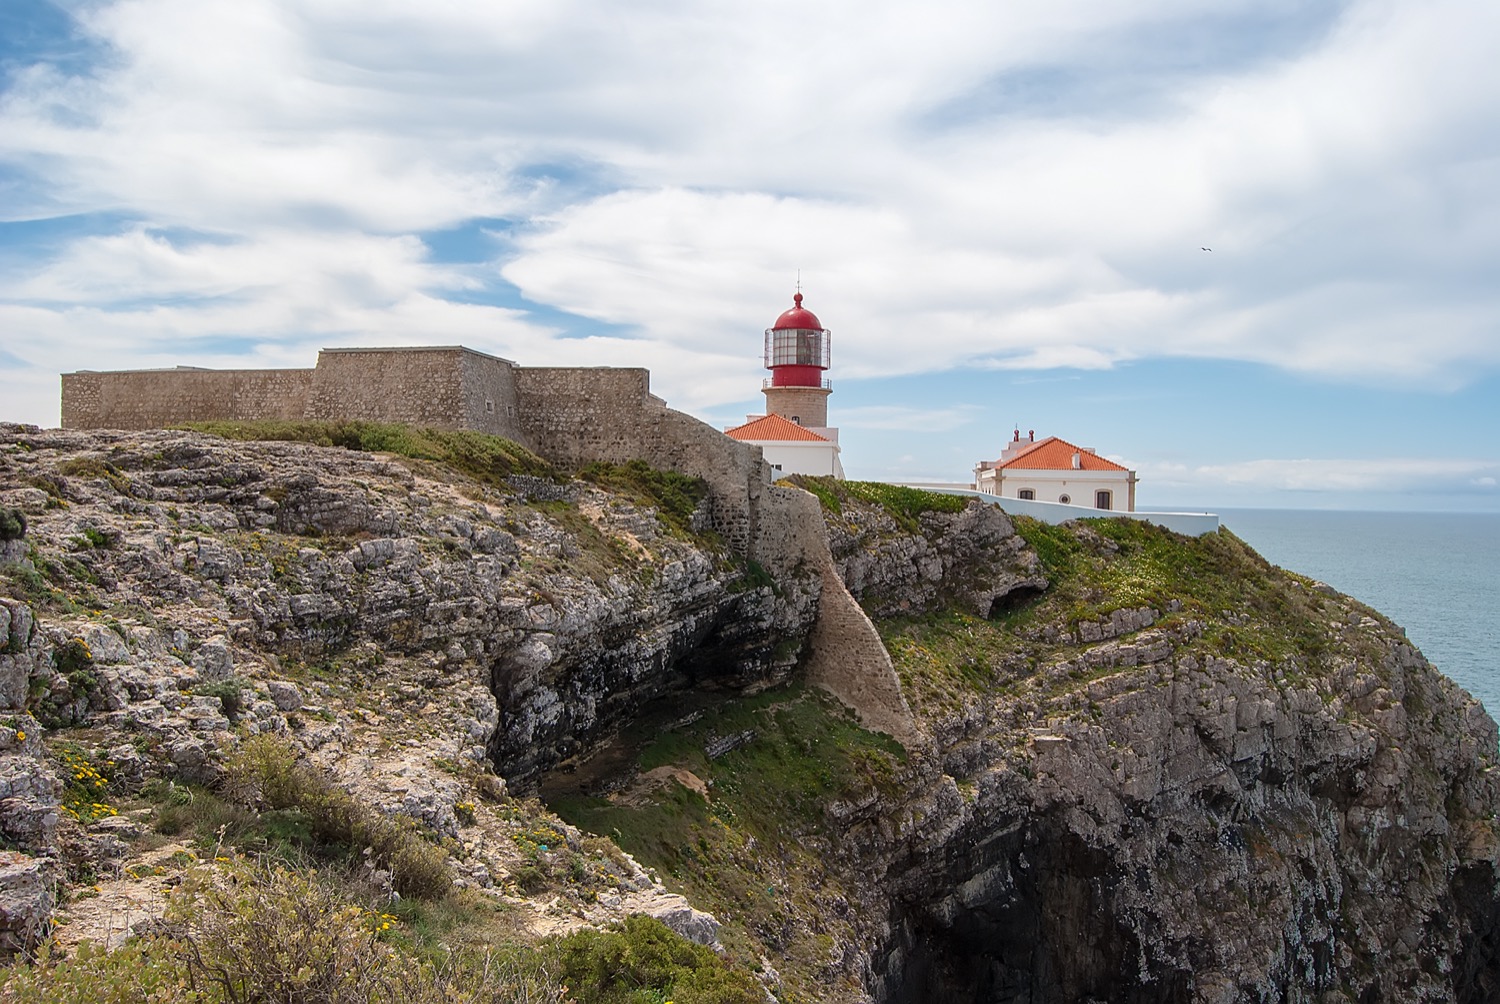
(577, 415)
(447, 387)
(154, 399)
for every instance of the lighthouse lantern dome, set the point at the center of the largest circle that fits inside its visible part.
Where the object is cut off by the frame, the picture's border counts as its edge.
(797, 348)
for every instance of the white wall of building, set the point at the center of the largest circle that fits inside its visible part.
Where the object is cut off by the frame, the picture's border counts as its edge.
(1051, 486)
(820, 459)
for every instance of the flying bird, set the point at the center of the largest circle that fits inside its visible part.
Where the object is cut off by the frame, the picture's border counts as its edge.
(1205, 249)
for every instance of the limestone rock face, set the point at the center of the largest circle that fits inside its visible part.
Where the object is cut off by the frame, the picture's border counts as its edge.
(26, 900)
(1133, 815)
(972, 559)
(253, 552)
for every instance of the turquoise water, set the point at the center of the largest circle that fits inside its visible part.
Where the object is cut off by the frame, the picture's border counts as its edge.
(1435, 574)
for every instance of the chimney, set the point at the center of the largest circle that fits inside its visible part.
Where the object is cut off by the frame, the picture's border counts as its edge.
(1078, 461)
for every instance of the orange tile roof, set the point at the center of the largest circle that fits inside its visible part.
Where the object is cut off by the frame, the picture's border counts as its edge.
(773, 429)
(1053, 454)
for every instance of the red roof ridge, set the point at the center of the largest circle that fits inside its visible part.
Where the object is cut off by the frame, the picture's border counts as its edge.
(1032, 446)
(1055, 454)
(774, 428)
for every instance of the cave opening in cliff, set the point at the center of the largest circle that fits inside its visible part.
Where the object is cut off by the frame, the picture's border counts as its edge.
(1018, 598)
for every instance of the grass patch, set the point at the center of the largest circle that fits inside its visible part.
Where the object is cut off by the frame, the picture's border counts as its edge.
(750, 851)
(95, 468)
(241, 932)
(947, 658)
(905, 505)
(674, 496)
(1268, 615)
(485, 458)
(304, 806)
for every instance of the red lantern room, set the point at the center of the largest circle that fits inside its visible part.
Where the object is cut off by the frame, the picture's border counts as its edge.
(797, 348)
(797, 354)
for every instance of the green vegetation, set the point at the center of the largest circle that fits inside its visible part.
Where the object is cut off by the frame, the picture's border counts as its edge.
(485, 458)
(305, 806)
(92, 537)
(674, 496)
(12, 524)
(1247, 609)
(87, 779)
(947, 658)
(230, 692)
(91, 468)
(905, 505)
(1103, 565)
(641, 962)
(61, 582)
(748, 849)
(241, 932)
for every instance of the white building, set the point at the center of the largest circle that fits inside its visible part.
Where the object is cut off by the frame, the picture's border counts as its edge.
(792, 448)
(1055, 470)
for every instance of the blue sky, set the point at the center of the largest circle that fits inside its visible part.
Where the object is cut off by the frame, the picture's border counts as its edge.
(998, 209)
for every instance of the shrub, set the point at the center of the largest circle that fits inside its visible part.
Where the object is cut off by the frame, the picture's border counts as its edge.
(266, 773)
(230, 692)
(86, 782)
(140, 971)
(12, 524)
(643, 962)
(278, 935)
(247, 934)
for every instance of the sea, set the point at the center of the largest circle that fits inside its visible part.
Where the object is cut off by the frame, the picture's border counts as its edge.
(1435, 574)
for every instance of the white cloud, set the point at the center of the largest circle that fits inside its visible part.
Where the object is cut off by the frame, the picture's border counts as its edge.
(1385, 476)
(906, 418)
(668, 166)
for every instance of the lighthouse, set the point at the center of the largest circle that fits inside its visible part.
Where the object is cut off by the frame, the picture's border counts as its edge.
(793, 434)
(797, 354)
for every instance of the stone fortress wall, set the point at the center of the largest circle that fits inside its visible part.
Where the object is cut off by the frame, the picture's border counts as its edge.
(443, 387)
(568, 415)
(154, 399)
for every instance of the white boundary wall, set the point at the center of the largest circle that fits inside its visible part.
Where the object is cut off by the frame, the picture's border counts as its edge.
(1189, 524)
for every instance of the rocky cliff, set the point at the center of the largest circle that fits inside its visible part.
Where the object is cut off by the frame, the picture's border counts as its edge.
(1143, 768)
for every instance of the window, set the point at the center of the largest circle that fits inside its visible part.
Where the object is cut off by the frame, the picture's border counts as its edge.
(1065, 499)
(1026, 493)
(1102, 500)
